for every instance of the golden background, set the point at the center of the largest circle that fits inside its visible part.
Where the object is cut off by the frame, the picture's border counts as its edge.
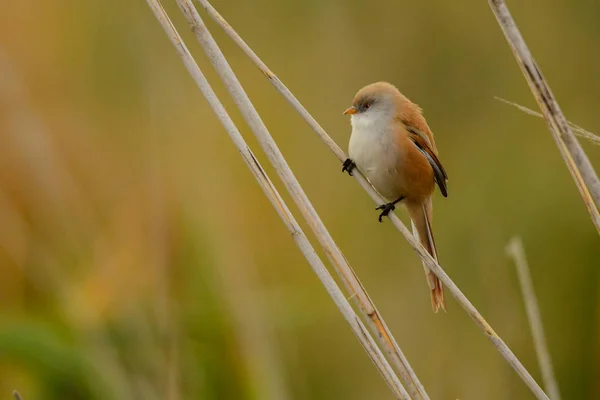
(139, 259)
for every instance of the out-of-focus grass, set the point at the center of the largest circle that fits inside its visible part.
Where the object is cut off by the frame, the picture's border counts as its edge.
(138, 259)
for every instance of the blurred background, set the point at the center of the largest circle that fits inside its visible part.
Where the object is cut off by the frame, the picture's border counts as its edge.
(140, 260)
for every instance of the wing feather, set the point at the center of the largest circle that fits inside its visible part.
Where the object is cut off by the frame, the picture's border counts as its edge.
(439, 173)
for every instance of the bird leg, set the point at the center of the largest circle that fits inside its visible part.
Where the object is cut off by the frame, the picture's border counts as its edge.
(388, 207)
(348, 166)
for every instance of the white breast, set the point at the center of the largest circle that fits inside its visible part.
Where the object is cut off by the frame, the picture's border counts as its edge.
(374, 152)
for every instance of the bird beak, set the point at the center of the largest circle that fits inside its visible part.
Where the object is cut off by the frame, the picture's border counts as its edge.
(351, 110)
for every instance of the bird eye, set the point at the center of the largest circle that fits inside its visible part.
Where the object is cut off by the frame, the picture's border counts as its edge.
(367, 105)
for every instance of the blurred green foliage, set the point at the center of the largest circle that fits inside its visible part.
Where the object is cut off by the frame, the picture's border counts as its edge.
(140, 260)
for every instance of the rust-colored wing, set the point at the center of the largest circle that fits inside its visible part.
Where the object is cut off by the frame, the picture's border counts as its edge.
(439, 173)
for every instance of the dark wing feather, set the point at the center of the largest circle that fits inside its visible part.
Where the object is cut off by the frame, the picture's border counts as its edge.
(439, 173)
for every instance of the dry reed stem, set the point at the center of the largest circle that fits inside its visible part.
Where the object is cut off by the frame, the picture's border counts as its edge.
(500, 345)
(341, 265)
(577, 161)
(516, 251)
(271, 192)
(16, 395)
(579, 131)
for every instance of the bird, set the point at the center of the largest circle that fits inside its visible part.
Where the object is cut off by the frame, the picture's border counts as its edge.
(393, 147)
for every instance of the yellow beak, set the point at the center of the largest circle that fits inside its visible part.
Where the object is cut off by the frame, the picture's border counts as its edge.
(351, 110)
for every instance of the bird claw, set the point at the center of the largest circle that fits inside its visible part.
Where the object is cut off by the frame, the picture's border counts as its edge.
(385, 210)
(348, 166)
(388, 207)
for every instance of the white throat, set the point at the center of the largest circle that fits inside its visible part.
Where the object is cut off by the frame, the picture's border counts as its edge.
(373, 121)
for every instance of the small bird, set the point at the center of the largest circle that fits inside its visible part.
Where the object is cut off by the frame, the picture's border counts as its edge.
(392, 145)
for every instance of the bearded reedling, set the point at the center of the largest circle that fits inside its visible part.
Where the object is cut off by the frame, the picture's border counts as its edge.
(392, 145)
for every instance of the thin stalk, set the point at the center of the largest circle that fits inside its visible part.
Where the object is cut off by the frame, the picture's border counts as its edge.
(516, 251)
(578, 163)
(271, 192)
(579, 131)
(341, 265)
(500, 345)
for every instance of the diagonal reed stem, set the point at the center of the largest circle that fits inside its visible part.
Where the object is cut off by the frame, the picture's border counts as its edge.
(578, 163)
(500, 345)
(271, 192)
(516, 251)
(579, 131)
(334, 254)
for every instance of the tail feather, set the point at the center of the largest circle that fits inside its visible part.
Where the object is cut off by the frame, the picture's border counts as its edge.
(420, 215)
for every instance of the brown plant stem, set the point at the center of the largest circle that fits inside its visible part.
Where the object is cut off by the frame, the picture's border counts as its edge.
(334, 254)
(516, 251)
(500, 345)
(579, 165)
(271, 192)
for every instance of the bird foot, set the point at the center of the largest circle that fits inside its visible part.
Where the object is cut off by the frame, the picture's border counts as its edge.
(348, 166)
(388, 207)
(385, 210)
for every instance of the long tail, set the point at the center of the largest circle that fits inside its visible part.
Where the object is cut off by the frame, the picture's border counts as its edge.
(420, 215)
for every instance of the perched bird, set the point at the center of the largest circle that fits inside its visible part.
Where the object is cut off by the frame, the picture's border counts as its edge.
(392, 145)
